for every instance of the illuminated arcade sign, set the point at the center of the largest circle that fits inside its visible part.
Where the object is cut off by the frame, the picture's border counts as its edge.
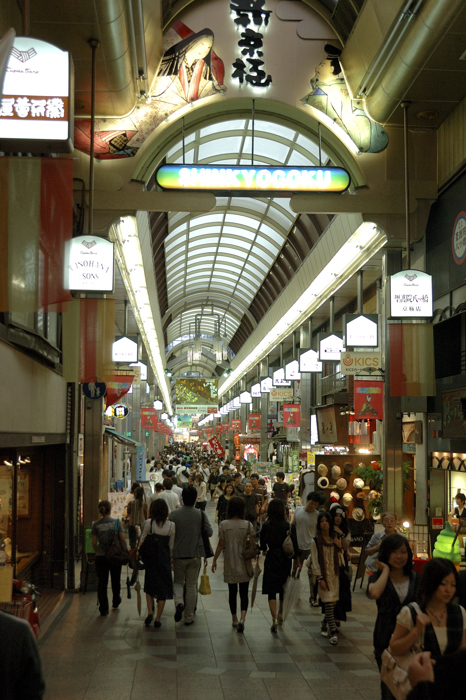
(36, 112)
(89, 264)
(411, 294)
(252, 179)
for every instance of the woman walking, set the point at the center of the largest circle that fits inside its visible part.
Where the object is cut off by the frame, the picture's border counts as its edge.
(325, 552)
(237, 571)
(201, 488)
(393, 586)
(277, 565)
(343, 605)
(158, 582)
(102, 537)
(137, 514)
(222, 503)
(441, 622)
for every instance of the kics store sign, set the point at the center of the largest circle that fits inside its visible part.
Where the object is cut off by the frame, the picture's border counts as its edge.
(354, 362)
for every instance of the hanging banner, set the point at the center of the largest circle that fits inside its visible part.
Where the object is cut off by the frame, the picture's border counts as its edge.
(368, 399)
(225, 428)
(237, 440)
(236, 425)
(216, 447)
(412, 367)
(117, 386)
(354, 362)
(291, 415)
(149, 419)
(254, 422)
(411, 294)
(218, 429)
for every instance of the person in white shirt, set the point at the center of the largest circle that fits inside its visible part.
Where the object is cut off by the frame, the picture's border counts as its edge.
(178, 490)
(182, 474)
(205, 471)
(172, 499)
(305, 520)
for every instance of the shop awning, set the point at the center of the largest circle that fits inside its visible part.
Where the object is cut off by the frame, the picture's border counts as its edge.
(121, 438)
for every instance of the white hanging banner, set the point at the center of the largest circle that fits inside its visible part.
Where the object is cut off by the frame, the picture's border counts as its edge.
(411, 294)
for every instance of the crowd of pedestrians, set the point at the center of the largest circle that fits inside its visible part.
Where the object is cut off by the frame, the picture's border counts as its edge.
(413, 612)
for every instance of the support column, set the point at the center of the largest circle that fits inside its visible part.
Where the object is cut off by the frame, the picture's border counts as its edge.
(392, 453)
(93, 490)
(305, 386)
(264, 443)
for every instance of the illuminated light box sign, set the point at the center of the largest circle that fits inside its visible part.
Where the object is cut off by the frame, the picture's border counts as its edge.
(355, 362)
(125, 350)
(36, 112)
(292, 371)
(266, 385)
(252, 179)
(361, 330)
(89, 265)
(309, 362)
(411, 294)
(330, 347)
(278, 378)
(256, 391)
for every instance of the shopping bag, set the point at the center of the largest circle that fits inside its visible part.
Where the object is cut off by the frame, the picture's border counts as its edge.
(204, 587)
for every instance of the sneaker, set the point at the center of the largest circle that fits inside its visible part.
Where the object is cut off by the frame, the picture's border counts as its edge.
(323, 632)
(148, 620)
(179, 612)
(333, 640)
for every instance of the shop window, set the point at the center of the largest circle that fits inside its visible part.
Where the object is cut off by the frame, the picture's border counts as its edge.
(37, 333)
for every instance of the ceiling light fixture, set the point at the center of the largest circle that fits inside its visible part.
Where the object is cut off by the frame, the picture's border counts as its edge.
(129, 258)
(358, 249)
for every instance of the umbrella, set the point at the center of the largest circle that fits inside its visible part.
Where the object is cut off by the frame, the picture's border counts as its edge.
(137, 588)
(128, 584)
(292, 593)
(257, 573)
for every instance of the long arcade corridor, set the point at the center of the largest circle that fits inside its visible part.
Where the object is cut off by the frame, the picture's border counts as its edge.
(87, 657)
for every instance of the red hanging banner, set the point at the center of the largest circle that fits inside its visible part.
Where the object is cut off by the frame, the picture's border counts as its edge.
(236, 425)
(149, 419)
(368, 399)
(254, 422)
(291, 415)
(218, 429)
(216, 446)
(237, 440)
(117, 386)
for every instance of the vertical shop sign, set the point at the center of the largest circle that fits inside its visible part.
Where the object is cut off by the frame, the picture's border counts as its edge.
(254, 422)
(295, 460)
(141, 462)
(251, 12)
(291, 415)
(237, 440)
(236, 425)
(368, 399)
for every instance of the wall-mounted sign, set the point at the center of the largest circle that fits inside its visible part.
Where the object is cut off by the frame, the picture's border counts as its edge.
(256, 391)
(458, 239)
(292, 371)
(245, 397)
(278, 378)
(251, 180)
(354, 362)
(236, 403)
(143, 372)
(36, 110)
(280, 394)
(251, 43)
(368, 399)
(125, 350)
(119, 410)
(411, 294)
(309, 362)
(361, 330)
(94, 390)
(158, 405)
(266, 385)
(330, 347)
(89, 264)
(194, 410)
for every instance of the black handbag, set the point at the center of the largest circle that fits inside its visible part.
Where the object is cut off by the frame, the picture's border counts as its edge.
(208, 551)
(117, 551)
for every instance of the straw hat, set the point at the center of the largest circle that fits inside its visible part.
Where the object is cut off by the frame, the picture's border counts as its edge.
(358, 483)
(336, 471)
(341, 484)
(322, 469)
(358, 514)
(347, 498)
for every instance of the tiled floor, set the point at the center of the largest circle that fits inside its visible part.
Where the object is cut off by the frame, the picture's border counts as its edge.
(87, 657)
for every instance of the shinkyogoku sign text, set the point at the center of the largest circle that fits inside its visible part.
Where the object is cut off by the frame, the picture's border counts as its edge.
(252, 179)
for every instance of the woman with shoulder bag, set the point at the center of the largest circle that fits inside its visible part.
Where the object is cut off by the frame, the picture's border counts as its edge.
(325, 553)
(441, 622)
(137, 514)
(158, 581)
(392, 587)
(277, 565)
(344, 604)
(103, 533)
(237, 571)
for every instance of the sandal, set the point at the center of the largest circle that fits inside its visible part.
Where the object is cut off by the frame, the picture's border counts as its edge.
(333, 640)
(280, 619)
(274, 626)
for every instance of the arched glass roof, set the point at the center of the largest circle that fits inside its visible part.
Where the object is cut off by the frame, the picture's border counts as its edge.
(230, 250)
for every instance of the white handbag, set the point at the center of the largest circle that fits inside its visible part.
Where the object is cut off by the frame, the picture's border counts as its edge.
(394, 669)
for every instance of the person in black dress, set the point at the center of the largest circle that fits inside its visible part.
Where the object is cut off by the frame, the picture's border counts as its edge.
(277, 565)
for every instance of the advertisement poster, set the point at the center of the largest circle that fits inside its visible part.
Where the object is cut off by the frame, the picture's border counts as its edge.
(237, 440)
(291, 415)
(295, 460)
(218, 429)
(254, 422)
(368, 399)
(149, 418)
(236, 425)
(196, 393)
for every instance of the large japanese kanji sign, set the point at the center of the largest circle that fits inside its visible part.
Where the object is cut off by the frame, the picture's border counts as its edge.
(216, 446)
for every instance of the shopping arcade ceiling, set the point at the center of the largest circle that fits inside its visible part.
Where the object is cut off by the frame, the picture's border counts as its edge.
(221, 259)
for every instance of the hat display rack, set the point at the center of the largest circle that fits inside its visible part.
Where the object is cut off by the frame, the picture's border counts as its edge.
(341, 486)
